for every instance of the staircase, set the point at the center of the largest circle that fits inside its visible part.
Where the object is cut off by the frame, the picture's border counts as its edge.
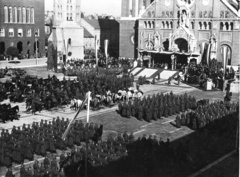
(165, 74)
(151, 73)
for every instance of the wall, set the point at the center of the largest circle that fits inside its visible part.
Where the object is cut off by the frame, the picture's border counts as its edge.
(127, 33)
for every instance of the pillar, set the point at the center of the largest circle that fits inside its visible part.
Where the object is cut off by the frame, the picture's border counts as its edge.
(130, 12)
(136, 8)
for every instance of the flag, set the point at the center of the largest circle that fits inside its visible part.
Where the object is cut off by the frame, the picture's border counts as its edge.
(69, 125)
(205, 52)
(88, 106)
(208, 52)
(106, 48)
(202, 47)
(96, 49)
(224, 56)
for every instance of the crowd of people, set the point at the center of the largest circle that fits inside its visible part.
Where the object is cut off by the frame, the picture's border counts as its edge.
(199, 74)
(51, 92)
(40, 137)
(153, 108)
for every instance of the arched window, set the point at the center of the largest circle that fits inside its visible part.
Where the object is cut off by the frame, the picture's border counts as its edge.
(24, 15)
(2, 32)
(67, 16)
(71, 17)
(37, 32)
(28, 15)
(10, 11)
(15, 15)
(32, 15)
(6, 14)
(19, 15)
(29, 32)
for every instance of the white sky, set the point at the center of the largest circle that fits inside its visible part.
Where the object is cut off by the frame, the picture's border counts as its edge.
(109, 7)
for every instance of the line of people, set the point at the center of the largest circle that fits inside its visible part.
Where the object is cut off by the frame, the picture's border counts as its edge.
(206, 114)
(153, 108)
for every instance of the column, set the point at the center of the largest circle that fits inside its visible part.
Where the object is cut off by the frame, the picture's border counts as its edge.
(136, 8)
(130, 8)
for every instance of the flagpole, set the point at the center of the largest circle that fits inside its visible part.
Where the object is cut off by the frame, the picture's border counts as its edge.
(88, 109)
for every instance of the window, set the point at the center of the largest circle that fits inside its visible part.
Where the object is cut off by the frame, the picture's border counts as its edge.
(36, 32)
(6, 14)
(28, 15)
(15, 15)
(19, 15)
(11, 32)
(10, 14)
(29, 32)
(20, 33)
(70, 8)
(67, 16)
(32, 15)
(2, 32)
(71, 17)
(24, 15)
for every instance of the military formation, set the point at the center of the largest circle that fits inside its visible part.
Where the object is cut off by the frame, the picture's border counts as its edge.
(206, 114)
(47, 93)
(38, 138)
(157, 106)
(7, 112)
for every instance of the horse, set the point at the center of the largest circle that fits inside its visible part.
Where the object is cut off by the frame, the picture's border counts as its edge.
(75, 104)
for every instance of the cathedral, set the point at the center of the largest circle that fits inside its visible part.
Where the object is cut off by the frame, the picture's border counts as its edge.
(67, 33)
(180, 31)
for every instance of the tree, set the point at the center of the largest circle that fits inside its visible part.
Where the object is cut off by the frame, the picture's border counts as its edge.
(12, 51)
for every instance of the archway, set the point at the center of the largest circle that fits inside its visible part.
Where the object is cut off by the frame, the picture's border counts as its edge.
(20, 47)
(182, 44)
(2, 47)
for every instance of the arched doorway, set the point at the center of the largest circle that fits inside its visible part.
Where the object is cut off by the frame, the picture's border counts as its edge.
(182, 45)
(20, 47)
(226, 52)
(2, 47)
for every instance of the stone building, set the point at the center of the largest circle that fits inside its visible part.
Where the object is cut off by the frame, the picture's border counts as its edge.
(173, 31)
(22, 26)
(67, 32)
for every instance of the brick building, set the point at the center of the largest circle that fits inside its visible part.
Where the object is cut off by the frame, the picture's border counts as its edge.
(162, 28)
(22, 25)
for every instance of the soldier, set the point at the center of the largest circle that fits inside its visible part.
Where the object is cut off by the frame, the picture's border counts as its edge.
(183, 119)
(178, 121)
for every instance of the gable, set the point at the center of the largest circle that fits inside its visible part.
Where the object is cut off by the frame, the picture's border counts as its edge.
(233, 6)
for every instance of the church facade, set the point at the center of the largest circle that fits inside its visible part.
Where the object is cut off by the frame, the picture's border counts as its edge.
(181, 30)
(67, 33)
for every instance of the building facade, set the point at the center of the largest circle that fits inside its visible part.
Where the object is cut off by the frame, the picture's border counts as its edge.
(67, 32)
(22, 26)
(180, 27)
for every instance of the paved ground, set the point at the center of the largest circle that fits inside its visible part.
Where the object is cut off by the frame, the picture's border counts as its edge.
(113, 123)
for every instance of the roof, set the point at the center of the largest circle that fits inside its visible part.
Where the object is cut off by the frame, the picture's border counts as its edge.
(87, 34)
(93, 22)
(69, 24)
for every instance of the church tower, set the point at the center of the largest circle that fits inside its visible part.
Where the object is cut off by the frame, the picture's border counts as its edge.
(67, 34)
(67, 10)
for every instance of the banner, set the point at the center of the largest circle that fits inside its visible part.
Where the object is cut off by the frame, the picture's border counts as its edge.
(208, 52)
(224, 56)
(205, 52)
(106, 42)
(96, 49)
(202, 47)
